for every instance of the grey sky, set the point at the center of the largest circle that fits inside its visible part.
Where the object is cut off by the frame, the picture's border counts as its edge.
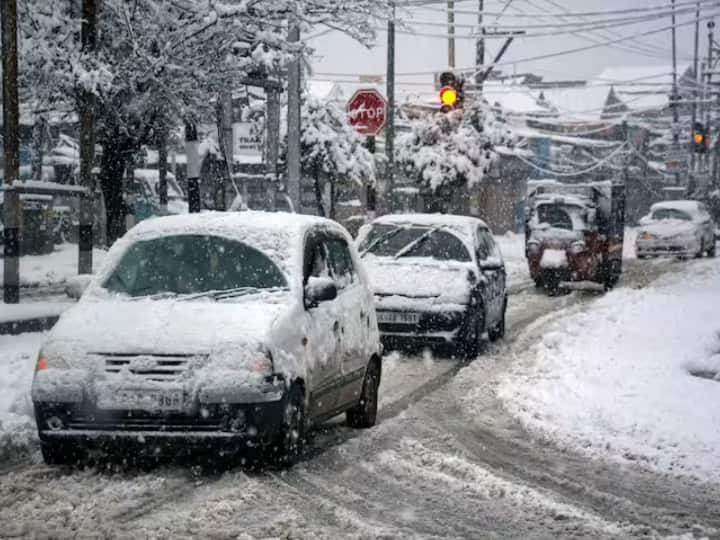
(339, 54)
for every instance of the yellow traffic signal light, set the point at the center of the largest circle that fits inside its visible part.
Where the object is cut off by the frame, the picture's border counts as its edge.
(698, 138)
(448, 96)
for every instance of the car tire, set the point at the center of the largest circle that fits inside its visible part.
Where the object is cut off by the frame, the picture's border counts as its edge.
(701, 251)
(364, 414)
(498, 331)
(61, 453)
(711, 250)
(469, 346)
(289, 446)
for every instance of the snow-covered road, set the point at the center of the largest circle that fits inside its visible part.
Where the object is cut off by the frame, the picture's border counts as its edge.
(430, 469)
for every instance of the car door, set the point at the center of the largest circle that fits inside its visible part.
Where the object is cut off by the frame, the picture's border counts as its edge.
(493, 270)
(354, 326)
(323, 350)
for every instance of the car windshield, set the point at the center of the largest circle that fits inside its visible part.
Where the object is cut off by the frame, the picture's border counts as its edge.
(192, 264)
(413, 241)
(670, 213)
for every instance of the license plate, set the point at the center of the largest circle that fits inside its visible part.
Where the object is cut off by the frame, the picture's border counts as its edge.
(398, 317)
(147, 400)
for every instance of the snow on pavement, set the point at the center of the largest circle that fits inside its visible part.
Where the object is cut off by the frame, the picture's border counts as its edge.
(616, 379)
(53, 268)
(17, 364)
(512, 246)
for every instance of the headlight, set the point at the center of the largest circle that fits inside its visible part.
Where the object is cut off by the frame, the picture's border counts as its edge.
(533, 248)
(261, 364)
(42, 363)
(577, 248)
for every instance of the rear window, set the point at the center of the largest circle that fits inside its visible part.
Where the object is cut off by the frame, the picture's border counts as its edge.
(188, 264)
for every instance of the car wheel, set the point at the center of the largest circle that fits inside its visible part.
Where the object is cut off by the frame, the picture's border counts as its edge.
(290, 442)
(711, 249)
(364, 414)
(469, 346)
(498, 331)
(61, 453)
(700, 252)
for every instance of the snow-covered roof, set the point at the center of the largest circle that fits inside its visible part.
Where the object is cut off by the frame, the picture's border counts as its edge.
(579, 103)
(513, 98)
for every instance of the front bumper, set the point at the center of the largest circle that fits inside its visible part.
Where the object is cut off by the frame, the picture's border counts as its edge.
(673, 247)
(432, 328)
(75, 412)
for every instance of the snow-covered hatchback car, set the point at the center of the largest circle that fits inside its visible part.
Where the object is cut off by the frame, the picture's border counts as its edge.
(680, 228)
(438, 279)
(239, 328)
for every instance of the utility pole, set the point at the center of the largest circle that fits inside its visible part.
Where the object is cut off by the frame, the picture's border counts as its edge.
(226, 145)
(480, 49)
(451, 32)
(193, 166)
(698, 81)
(710, 68)
(272, 141)
(162, 149)
(293, 118)
(676, 125)
(88, 38)
(11, 206)
(386, 200)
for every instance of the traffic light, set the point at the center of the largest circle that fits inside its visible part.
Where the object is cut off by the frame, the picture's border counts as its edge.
(451, 92)
(700, 138)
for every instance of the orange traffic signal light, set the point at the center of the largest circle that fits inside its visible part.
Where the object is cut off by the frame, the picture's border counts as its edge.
(448, 96)
(699, 138)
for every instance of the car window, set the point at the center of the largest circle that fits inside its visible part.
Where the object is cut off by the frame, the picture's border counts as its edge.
(483, 249)
(188, 264)
(491, 248)
(341, 263)
(319, 266)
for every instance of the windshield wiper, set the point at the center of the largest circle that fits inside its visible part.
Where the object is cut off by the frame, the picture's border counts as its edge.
(412, 245)
(221, 294)
(381, 240)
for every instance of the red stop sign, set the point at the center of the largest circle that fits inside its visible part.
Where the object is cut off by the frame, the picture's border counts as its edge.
(367, 109)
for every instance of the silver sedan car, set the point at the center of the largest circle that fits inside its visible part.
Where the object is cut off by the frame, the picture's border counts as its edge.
(678, 228)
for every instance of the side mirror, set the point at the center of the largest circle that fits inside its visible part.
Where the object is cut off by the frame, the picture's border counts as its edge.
(76, 285)
(491, 264)
(319, 289)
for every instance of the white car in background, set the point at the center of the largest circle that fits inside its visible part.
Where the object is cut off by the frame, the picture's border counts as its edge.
(438, 280)
(230, 328)
(679, 228)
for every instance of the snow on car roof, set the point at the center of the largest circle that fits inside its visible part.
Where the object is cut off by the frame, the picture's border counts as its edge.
(559, 198)
(463, 224)
(278, 235)
(690, 207)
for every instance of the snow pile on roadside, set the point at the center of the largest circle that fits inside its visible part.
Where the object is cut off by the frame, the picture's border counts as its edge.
(53, 268)
(17, 364)
(512, 246)
(616, 380)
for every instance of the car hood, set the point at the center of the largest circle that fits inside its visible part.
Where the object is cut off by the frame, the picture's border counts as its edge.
(439, 282)
(669, 228)
(162, 326)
